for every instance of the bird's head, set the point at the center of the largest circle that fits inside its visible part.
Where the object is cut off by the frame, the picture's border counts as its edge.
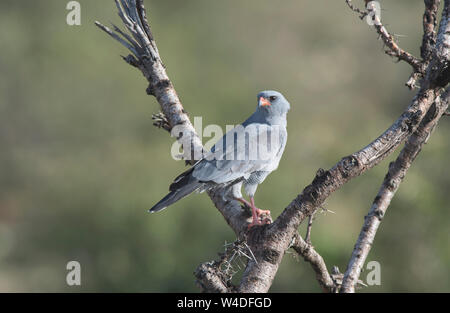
(272, 102)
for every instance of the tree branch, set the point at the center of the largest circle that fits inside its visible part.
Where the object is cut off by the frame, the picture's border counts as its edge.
(399, 168)
(174, 117)
(216, 276)
(439, 67)
(393, 49)
(209, 279)
(310, 255)
(271, 241)
(362, 13)
(309, 227)
(267, 243)
(428, 39)
(429, 25)
(391, 183)
(147, 59)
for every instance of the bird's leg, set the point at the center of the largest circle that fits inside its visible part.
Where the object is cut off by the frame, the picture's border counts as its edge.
(256, 214)
(244, 202)
(258, 211)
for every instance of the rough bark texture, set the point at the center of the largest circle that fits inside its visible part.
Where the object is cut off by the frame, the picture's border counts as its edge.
(429, 25)
(209, 279)
(267, 244)
(275, 238)
(391, 183)
(310, 255)
(436, 76)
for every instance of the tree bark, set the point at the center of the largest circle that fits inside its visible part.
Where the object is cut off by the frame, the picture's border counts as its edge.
(267, 244)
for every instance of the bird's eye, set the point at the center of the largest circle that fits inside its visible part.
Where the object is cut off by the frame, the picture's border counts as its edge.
(272, 98)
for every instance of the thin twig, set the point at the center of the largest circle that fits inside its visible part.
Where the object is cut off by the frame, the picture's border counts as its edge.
(266, 244)
(362, 13)
(309, 227)
(393, 49)
(311, 256)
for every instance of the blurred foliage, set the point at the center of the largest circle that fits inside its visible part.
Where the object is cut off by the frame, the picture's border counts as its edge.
(80, 161)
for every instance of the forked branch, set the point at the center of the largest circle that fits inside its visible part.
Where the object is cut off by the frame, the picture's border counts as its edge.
(398, 169)
(391, 183)
(269, 243)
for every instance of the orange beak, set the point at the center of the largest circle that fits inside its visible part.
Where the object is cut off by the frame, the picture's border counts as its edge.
(264, 102)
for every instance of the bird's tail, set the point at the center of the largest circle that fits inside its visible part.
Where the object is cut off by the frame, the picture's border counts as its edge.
(183, 185)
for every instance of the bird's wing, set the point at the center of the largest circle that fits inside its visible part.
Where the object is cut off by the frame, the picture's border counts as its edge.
(242, 151)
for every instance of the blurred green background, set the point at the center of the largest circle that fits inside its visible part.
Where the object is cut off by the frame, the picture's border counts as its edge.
(80, 161)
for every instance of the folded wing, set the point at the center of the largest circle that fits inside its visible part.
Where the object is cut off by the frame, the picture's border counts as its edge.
(242, 151)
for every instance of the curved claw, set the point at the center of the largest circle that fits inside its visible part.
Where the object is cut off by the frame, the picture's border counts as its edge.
(259, 222)
(260, 212)
(257, 213)
(258, 219)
